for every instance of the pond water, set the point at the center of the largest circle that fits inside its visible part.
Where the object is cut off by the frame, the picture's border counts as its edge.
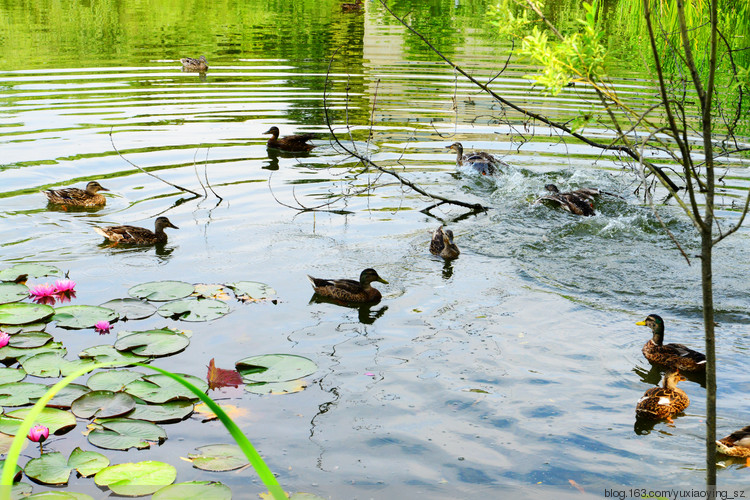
(513, 369)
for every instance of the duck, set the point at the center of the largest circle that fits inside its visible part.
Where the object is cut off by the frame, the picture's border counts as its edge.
(190, 64)
(442, 244)
(660, 403)
(483, 163)
(133, 235)
(737, 444)
(357, 5)
(89, 197)
(576, 202)
(350, 291)
(670, 355)
(290, 142)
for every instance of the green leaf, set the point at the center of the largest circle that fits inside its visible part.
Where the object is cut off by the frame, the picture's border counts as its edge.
(52, 364)
(21, 313)
(20, 393)
(28, 340)
(29, 327)
(32, 270)
(152, 342)
(161, 388)
(17, 475)
(219, 457)
(13, 292)
(54, 468)
(136, 479)
(102, 404)
(194, 490)
(194, 309)
(65, 396)
(108, 354)
(82, 316)
(173, 411)
(14, 353)
(112, 380)
(161, 291)
(87, 463)
(288, 387)
(52, 418)
(125, 433)
(130, 308)
(245, 290)
(60, 495)
(10, 375)
(275, 368)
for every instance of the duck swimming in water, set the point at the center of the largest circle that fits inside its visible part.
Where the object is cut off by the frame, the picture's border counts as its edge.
(89, 197)
(483, 163)
(442, 244)
(350, 291)
(671, 355)
(290, 142)
(737, 444)
(133, 235)
(190, 64)
(660, 403)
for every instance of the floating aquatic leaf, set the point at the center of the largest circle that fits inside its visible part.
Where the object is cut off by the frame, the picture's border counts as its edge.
(20, 313)
(102, 404)
(20, 393)
(14, 353)
(136, 479)
(12, 292)
(251, 291)
(161, 291)
(82, 316)
(219, 457)
(152, 342)
(29, 327)
(32, 270)
(220, 377)
(10, 375)
(6, 440)
(59, 495)
(160, 388)
(275, 368)
(65, 396)
(203, 490)
(130, 308)
(276, 388)
(112, 380)
(17, 474)
(52, 364)
(27, 340)
(170, 412)
(54, 468)
(52, 418)
(125, 433)
(211, 291)
(194, 309)
(108, 354)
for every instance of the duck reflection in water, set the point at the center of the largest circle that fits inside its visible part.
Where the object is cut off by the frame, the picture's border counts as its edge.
(365, 312)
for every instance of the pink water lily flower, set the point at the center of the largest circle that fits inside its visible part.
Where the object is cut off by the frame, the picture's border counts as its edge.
(38, 433)
(65, 286)
(43, 294)
(103, 327)
(4, 339)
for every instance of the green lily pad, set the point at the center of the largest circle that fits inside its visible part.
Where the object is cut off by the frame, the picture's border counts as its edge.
(108, 354)
(20, 393)
(65, 396)
(203, 490)
(152, 342)
(275, 368)
(130, 308)
(112, 380)
(20, 313)
(102, 404)
(194, 309)
(29, 327)
(52, 364)
(125, 433)
(54, 468)
(20, 354)
(17, 474)
(170, 412)
(82, 316)
(52, 418)
(32, 270)
(251, 290)
(27, 340)
(276, 388)
(59, 495)
(10, 375)
(161, 291)
(160, 388)
(136, 479)
(219, 457)
(13, 292)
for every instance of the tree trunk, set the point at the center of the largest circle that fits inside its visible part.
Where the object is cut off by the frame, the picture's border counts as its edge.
(708, 322)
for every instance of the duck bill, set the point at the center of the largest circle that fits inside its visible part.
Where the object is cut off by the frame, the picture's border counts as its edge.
(268, 132)
(641, 323)
(382, 280)
(102, 188)
(173, 226)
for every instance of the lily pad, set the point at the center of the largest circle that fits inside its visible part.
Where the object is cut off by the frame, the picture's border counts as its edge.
(152, 342)
(20, 393)
(275, 368)
(32, 270)
(194, 309)
(21, 313)
(82, 316)
(10, 375)
(52, 364)
(28, 327)
(203, 490)
(136, 479)
(16, 475)
(170, 412)
(54, 468)
(108, 354)
(20, 354)
(160, 388)
(65, 396)
(125, 433)
(276, 388)
(52, 418)
(27, 340)
(102, 404)
(207, 291)
(219, 457)
(13, 292)
(59, 495)
(161, 291)
(249, 291)
(112, 380)
(130, 308)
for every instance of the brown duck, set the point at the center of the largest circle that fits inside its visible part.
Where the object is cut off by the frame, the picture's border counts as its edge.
(290, 142)
(189, 64)
(89, 197)
(671, 355)
(350, 291)
(442, 244)
(737, 444)
(350, 7)
(483, 163)
(659, 403)
(576, 202)
(133, 235)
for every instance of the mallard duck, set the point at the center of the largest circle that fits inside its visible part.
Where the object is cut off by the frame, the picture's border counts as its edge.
(662, 402)
(671, 355)
(577, 202)
(132, 235)
(190, 64)
(357, 5)
(290, 142)
(89, 197)
(442, 244)
(737, 444)
(483, 163)
(350, 291)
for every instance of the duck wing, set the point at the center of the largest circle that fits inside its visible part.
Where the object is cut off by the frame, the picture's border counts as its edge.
(67, 194)
(685, 352)
(126, 233)
(437, 245)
